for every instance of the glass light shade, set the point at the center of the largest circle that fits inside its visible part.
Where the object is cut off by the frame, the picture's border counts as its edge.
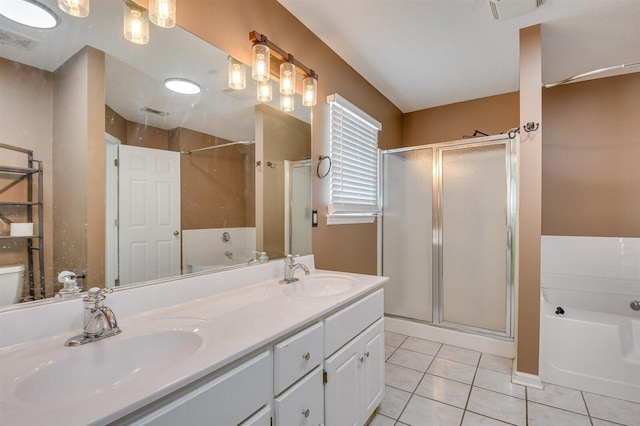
(265, 92)
(309, 91)
(163, 13)
(136, 23)
(286, 103)
(182, 86)
(78, 8)
(237, 74)
(287, 78)
(31, 14)
(261, 62)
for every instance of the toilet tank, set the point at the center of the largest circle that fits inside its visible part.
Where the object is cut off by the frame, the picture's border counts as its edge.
(11, 280)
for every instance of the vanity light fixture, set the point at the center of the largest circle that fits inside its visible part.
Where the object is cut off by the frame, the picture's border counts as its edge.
(265, 91)
(237, 74)
(261, 70)
(182, 86)
(136, 23)
(310, 90)
(29, 12)
(77, 8)
(288, 77)
(289, 66)
(163, 13)
(287, 103)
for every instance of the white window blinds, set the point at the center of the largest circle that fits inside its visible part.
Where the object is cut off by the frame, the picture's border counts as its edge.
(354, 156)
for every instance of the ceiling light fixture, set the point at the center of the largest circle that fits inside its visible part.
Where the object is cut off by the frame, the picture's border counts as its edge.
(136, 23)
(237, 74)
(29, 12)
(77, 8)
(265, 91)
(289, 66)
(182, 86)
(163, 13)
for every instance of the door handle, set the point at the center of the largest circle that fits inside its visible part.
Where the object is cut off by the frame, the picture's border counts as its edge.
(176, 233)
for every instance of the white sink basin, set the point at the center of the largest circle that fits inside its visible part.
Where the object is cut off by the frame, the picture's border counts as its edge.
(320, 285)
(92, 368)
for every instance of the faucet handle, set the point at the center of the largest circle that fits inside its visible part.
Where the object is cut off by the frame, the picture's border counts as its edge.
(96, 294)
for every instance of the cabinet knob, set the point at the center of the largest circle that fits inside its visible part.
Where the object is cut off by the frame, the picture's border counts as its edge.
(306, 412)
(366, 354)
(306, 356)
(361, 359)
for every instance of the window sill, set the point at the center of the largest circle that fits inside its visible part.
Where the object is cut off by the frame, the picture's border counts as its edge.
(344, 219)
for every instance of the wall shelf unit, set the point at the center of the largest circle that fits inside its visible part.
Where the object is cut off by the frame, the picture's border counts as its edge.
(32, 175)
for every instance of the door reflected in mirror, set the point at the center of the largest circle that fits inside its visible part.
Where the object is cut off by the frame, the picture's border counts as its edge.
(131, 191)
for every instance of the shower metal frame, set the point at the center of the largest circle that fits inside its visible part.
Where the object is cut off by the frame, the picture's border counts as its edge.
(511, 170)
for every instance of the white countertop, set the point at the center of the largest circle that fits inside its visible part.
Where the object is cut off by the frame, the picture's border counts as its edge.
(231, 324)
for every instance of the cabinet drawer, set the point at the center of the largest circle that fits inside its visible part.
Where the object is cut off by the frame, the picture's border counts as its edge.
(343, 326)
(261, 418)
(303, 403)
(225, 400)
(296, 356)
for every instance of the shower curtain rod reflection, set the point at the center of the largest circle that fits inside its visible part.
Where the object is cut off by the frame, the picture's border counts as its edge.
(217, 146)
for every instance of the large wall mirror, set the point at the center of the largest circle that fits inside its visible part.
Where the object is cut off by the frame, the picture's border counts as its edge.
(139, 183)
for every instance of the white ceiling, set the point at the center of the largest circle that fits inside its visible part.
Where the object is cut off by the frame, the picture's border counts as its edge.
(425, 53)
(134, 75)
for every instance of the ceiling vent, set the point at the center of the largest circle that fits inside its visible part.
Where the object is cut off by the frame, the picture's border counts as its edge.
(506, 9)
(154, 111)
(8, 38)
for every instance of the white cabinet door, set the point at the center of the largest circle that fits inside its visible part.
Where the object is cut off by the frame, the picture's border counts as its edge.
(372, 368)
(341, 391)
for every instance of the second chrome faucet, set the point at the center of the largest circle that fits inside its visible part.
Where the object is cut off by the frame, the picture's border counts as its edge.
(290, 267)
(99, 320)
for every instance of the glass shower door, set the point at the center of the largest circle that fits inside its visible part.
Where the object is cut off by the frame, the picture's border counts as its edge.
(473, 229)
(407, 232)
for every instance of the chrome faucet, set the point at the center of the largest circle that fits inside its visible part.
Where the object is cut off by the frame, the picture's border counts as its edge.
(99, 321)
(290, 268)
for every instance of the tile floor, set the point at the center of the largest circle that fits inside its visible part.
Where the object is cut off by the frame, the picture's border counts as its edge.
(429, 383)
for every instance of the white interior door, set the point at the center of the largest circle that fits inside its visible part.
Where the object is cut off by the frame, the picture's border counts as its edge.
(149, 214)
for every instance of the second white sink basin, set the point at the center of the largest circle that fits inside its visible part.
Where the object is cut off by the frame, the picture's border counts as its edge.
(92, 368)
(320, 285)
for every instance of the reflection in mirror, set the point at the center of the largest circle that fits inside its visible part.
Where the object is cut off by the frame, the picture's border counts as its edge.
(131, 189)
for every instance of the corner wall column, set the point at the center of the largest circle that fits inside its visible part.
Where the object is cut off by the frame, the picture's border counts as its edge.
(530, 200)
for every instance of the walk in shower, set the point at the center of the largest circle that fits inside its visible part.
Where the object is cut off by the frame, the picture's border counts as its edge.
(448, 234)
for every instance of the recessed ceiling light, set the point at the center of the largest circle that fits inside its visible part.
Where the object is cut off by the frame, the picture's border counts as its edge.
(182, 85)
(29, 12)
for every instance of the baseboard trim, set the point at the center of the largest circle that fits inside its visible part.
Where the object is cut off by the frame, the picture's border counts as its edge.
(526, 379)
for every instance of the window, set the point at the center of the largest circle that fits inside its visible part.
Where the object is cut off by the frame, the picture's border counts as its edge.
(354, 155)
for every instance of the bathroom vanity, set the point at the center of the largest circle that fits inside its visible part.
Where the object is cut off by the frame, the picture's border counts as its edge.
(254, 353)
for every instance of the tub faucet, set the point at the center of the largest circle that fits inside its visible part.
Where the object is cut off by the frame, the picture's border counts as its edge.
(290, 268)
(99, 321)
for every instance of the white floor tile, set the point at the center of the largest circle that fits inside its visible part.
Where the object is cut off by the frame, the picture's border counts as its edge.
(613, 410)
(411, 359)
(388, 350)
(473, 419)
(464, 356)
(498, 382)
(444, 390)
(496, 363)
(422, 411)
(598, 422)
(380, 420)
(393, 339)
(420, 345)
(498, 406)
(543, 415)
(394, 402)
(402, 377)
(452, 370)
(559, 397)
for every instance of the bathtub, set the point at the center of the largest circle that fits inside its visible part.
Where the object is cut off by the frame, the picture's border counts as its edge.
(589, 335)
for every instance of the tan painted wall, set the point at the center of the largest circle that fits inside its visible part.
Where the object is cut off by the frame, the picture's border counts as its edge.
(284, 138)
(115, 124)
(591, 158)
(491, 115)
(226, 24)
(210, 176)
(146, 136)
(27, 92)
(78, 146)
